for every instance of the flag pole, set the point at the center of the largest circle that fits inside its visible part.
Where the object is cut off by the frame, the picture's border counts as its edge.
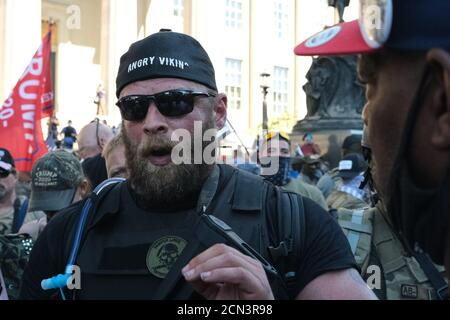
(235, 132)
(51, 23)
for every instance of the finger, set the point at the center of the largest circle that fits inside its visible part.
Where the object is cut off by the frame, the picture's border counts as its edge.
(207, 290)
(214, 251)
(227, 259)
(209, 253)
(246, 281)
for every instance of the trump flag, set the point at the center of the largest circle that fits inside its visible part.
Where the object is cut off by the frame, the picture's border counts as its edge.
(21, 114)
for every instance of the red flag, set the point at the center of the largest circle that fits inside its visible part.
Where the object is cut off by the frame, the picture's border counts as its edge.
(21, 114)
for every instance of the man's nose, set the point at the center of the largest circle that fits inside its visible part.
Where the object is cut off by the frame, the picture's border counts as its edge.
(155, 122)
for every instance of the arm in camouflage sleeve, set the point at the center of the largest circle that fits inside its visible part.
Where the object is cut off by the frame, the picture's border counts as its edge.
(14, 254)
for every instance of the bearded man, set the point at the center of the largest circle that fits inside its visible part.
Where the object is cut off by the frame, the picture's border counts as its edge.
(192, 229)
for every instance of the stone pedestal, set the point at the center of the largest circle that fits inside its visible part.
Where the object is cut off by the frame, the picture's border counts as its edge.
(335, 99)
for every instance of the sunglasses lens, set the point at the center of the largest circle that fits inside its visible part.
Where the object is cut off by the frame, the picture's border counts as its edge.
(4, 173)
(134, 108)
(175, 104)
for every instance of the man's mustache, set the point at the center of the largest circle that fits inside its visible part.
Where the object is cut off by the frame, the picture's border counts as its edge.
(157, 146)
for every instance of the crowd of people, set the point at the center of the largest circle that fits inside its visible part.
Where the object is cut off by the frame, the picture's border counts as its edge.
(138, 226)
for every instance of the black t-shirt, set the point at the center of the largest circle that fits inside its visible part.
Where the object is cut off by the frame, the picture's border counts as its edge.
(326, 249)
(69, 132)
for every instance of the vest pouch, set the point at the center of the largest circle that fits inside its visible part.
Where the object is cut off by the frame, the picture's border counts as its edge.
(208, 232)
(127, 263)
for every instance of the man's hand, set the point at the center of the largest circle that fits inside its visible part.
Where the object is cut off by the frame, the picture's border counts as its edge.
(223, 273)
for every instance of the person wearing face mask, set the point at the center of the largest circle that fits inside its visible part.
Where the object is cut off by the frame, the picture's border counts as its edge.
(277, 147)
(404, 274)
(348, 193)
(405, 63)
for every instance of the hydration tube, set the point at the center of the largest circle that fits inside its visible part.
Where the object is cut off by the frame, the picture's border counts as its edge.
(60, 281)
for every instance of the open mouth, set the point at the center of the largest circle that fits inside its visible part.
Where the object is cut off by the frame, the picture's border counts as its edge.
(160, 156)
(160, 152)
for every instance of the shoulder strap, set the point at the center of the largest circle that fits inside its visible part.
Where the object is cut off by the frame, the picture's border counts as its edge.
(385, 234)
(96, 198)
(435, 277)
(20, 211)
(291, 232)
(358, 228)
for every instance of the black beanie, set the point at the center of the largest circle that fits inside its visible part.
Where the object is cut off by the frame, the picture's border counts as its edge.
(166, 54)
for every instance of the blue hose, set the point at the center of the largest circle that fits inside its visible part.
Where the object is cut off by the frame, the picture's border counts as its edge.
(60, 280)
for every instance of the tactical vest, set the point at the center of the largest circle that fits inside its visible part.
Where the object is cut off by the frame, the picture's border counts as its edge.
(339, 199)
(404, 276)
(375, 245)
(242, 203)
(357, 227)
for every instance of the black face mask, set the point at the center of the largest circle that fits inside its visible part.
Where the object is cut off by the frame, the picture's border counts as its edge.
(281, 178)
(420, 216)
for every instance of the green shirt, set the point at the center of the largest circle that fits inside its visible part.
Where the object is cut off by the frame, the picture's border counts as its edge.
(307, 190)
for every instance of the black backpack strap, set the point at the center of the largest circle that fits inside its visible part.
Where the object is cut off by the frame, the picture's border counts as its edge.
(433, 275)
(112, 189)
(20, 211)
(291, 232)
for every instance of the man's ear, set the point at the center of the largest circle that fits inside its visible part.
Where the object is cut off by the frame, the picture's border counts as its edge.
(440, 133)
(220, 110)
(16, 176)
(103, 142)
(84, 188)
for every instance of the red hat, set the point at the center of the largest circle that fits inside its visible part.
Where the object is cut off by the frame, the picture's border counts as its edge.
(344, 38)
(398, 24)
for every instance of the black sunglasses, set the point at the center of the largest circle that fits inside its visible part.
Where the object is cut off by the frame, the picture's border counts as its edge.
(172, 103)
(5, 173)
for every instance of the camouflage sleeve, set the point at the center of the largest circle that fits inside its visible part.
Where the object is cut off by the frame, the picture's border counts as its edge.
(14, 253)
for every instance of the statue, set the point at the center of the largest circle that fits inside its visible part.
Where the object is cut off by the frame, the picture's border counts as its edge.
(334, 96)
(334, 99)
(99, 99)
(333, 88)
(340, 7)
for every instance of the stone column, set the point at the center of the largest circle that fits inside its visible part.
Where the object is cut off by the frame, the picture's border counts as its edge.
(20, 37)
(118, 32)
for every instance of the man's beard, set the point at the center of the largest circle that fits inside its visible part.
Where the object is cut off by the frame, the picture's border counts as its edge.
(164, 186)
